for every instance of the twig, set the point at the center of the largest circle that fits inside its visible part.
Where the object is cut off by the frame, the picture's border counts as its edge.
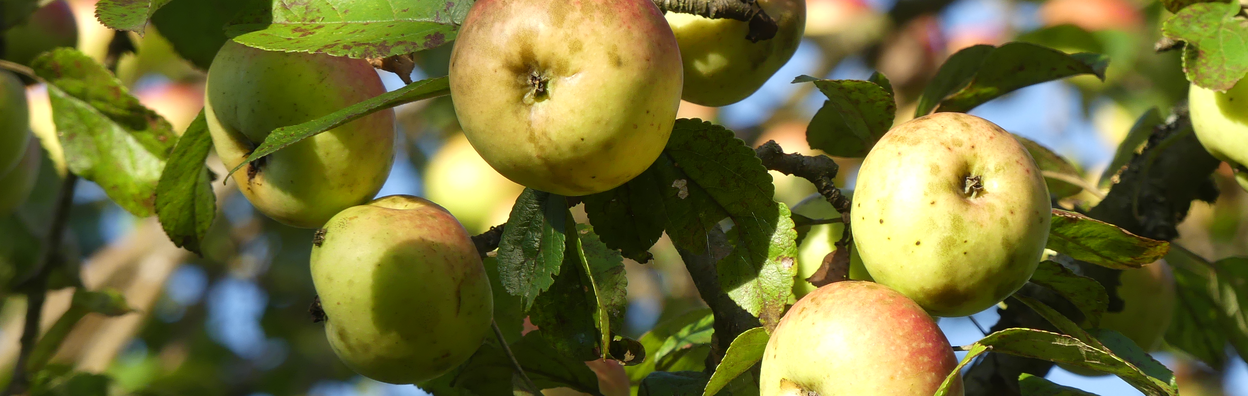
(762, 26)
(820, 170)
(489, 240)
(730, 319)
(502, 341)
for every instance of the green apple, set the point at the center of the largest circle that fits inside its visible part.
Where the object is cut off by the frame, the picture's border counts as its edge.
(251, 92)
(403, 288)
(950, 210)
(49, 27)
(819, 241)
(856, 338)
(1148, 296)
(16, 185)
(570, 111)
(1220, 120)
(14, 121)
(722, 66)
(466, 185)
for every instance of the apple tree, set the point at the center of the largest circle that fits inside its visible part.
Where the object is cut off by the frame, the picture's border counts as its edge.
(533, 197)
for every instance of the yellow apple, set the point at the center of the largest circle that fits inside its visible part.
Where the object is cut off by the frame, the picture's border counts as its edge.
(251, 92)
(856, 338)
(466, 185)
(1220, 120)
(722, 66)
(950, 210)
(403, 288)
(570, 111)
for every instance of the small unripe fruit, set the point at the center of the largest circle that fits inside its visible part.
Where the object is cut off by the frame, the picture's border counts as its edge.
(14, 121)
(49, 27)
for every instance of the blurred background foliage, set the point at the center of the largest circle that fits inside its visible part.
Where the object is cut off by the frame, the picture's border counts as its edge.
(236, 321)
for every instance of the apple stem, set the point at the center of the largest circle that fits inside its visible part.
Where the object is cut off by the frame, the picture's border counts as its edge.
(972, 186)
(762, 26)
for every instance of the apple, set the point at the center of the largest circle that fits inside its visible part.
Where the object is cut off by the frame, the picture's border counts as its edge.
(251, 92)
(403, 288)
(1148, 295)
(49, 27)
(950, 210)
(466, 185)
(856, 338)
(1093, 15)
(722, 66)
(16, 185)
(571, 98)
(1220, 120)
(819, 241)
(14, 121)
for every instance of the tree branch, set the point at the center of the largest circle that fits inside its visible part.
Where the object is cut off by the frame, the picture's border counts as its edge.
(762, 26)
(730, 319)
(820, 170)
(1152, 198)
(489, 240)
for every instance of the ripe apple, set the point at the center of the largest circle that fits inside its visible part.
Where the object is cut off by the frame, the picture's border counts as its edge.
(856, 338)
(722, 66)
(1148, 295)
(951, 211)
(570, 111)
(466, 185)
(403, 288)
(16, 185)
(14, 121)
(1220, 120)
(49, 27)
(251, 92)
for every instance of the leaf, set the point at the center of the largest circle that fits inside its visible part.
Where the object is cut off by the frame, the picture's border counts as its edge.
(981, 73)
(531, 250)
(1086, 293)
(1138, 135)
(196, 29)
(19, 252)
(882, 80)
(1030, 385)
(62, 381)
(652, 340)
(1058, 172)
(508, 311)
(1101, 243)
(14, 12)
(948, 386)
(104, 302)
(855, 116)
(356, 29)
(185, 203)
(489, 370)
(129, 15)
(577, 312)
(1195, 327)
(1062, 323)
(744, 352)
(108, 136)
(1127, 349)
(681, 383)
(1216, 54)
(629, 218)
(1176, 5)
(954, 74)
(1067, 350)
(1231, 294)
(285, 136)
(689, 336)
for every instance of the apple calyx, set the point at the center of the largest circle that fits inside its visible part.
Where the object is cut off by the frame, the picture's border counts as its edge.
(972, 186)
(538, 92)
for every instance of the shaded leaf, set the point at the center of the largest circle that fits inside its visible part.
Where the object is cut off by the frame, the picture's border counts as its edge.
(680, 383)
(357, 29)
(855, 116)
(285, 136)
(577, 312)
(1216, 54)
(1086, 293)
(1062, 323)
(629, 218)
(63, 381)
(1195, 327)
(744, 352)
(1067, 350)
(652, 340)
(508, 310)
(108, 136)
(129, 15)
(1176, 5)
(981, 73)
(185, 204)
(14, 12)
(196, 29)
(1101, 243)
(882, 80)
(1136, 138)
(489, 370)
(955, 74)
(691, 335)
(1059, 174)
(1030, 385)
(531, 251)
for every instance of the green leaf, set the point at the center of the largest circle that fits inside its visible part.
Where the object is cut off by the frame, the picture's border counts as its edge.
(1030, 385)
(196, 29)
(680, 383)
(953, 381)
(744, 352)
(1127, 349)
(489, 370)
(129, 15)
(855, 116)
(1062, 323)
(1067, 350)
(108, 136)
(531, 250)
(19, 252)
(103, 302)
(285, 136)
(185, 203)
(689, 336)
(882, 80)
(63, 381)
(1067, 38)
(629, 218)
(654, 339)
(1176, 5)
(577, 313)
(981, 73)
(356, 29)
(1136, 138)
(1101, 243)
(14, 12)
(1195, 327)
(1231, 294)
(508, 311)
(1059, 174)
(1086, 293)
(1216, 54)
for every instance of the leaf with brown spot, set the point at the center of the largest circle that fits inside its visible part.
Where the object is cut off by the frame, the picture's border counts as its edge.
(1101, 243)
(1216, 54)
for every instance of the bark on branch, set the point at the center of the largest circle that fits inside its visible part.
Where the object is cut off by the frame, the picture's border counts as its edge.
(762, 26)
